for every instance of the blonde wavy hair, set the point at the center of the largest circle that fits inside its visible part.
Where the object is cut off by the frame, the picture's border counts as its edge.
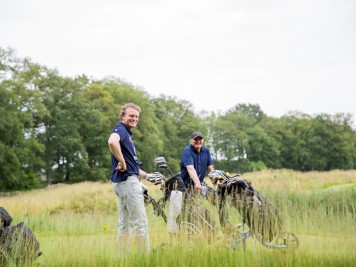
(126, 106)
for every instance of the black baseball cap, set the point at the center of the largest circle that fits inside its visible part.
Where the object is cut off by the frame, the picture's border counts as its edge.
(197, 134)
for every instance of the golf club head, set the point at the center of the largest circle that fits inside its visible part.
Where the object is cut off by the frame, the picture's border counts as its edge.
(160, 160)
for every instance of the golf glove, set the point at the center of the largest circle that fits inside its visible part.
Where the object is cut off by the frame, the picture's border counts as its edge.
(216, 175)
(155, 178)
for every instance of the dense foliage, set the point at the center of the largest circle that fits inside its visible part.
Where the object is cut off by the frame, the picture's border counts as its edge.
(55, 129)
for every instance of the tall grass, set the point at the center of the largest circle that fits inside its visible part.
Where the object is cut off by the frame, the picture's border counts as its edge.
(77, 225)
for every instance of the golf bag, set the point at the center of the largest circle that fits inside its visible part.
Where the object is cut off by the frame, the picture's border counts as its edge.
(18, 244)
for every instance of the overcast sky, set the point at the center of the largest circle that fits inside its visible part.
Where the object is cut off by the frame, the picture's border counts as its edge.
(284, 55)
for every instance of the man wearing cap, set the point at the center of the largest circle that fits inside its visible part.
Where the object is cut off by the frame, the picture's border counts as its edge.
(196, 160)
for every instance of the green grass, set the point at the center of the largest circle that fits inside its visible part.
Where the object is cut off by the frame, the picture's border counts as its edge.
(77, 225)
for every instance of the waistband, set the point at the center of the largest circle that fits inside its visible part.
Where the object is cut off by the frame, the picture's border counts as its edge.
(127, 177)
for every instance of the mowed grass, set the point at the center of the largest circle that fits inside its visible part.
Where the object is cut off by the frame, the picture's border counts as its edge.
(77, 224)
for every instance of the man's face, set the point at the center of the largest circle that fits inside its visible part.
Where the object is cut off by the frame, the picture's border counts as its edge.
(197, 143)
(130, 119)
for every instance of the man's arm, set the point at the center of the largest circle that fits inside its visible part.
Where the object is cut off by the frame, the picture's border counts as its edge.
(115, 148)
(194, 176)
(210, 168)
(142, 174)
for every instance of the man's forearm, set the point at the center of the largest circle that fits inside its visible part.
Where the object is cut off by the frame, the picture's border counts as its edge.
(116, 151)
(194, 176)
(115, 148)
(142, 174)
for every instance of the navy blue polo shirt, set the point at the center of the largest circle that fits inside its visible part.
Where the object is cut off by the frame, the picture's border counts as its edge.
(200, 161)
(128, 151)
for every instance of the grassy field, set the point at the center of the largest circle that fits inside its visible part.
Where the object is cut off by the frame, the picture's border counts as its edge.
(77, 224)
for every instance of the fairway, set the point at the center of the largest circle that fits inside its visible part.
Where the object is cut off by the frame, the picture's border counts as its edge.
(76, 225)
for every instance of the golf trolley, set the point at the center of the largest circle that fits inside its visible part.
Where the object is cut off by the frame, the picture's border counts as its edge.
(258, 214)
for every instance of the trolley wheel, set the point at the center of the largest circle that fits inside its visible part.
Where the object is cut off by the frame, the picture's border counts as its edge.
(197, 221)
(288, 240)
(189, 230)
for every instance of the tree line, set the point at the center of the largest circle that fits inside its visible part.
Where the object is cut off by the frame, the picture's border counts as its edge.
(54, 129)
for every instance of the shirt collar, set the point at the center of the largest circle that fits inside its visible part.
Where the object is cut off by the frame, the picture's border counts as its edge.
(127, 128)
(194, 150)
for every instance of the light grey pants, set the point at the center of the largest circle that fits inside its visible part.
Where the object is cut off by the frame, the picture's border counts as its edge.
(132, 214)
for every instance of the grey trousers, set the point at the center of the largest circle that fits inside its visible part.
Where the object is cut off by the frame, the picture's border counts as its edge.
(132, 214)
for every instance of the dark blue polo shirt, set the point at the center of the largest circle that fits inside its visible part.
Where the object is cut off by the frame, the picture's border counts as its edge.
(200, 161)
(128, 151)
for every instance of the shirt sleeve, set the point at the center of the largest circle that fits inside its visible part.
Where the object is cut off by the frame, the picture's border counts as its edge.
(120, 131)
(210, 159)
(187, 158)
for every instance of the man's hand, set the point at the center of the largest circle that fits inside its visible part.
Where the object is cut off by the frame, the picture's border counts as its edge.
(198, 187)
(155, 178)
(121, 167)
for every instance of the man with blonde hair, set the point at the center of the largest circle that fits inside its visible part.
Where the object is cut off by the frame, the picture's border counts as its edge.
(125, 178)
